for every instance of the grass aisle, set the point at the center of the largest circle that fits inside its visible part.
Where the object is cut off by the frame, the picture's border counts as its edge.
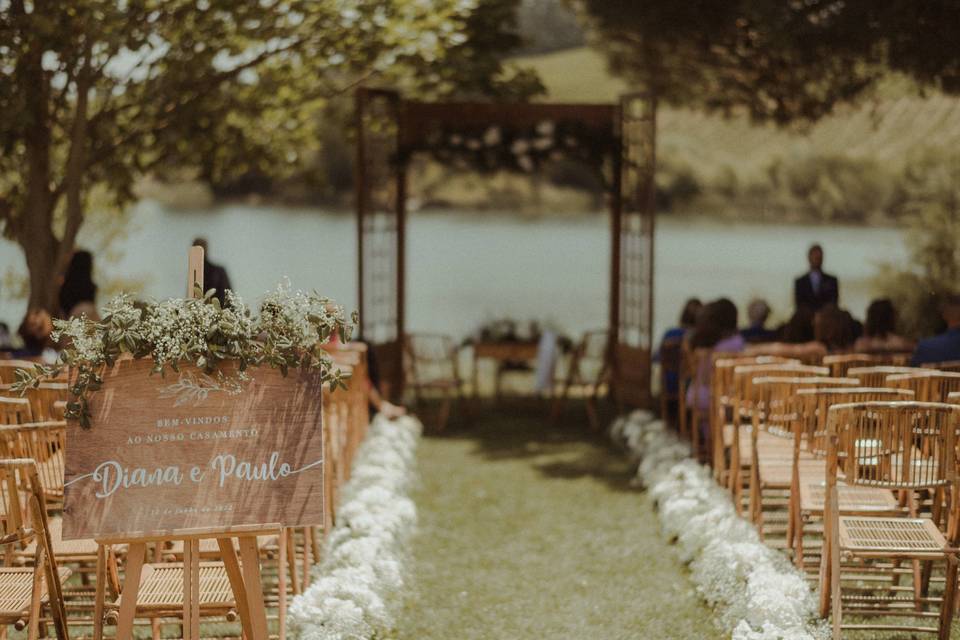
(528, 531)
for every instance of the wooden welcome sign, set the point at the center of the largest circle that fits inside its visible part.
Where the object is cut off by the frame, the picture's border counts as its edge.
(190, 451)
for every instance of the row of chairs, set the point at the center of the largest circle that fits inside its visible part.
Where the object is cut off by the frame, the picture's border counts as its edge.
(851, 470)
(45, 580)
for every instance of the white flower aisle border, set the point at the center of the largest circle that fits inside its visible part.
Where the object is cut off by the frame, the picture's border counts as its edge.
(756, 592)
(362, 567)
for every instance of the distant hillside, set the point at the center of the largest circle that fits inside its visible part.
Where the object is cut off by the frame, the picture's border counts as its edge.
(884, 130)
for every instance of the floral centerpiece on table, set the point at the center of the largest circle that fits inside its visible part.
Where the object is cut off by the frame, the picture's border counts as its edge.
(288, 332)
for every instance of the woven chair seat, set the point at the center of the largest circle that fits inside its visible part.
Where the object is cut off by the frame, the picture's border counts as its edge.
(897, 536)
(779, 473)
(65, 549)
(16, 587)
(161, 587)
(855, 499)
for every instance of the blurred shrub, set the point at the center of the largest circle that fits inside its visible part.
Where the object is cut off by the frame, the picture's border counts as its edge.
(835, 188)
(677, 185)
(931, 197)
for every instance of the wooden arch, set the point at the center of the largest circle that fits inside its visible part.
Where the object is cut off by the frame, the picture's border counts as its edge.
(390, 129)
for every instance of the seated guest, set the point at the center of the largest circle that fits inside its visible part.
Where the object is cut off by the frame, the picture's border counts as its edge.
(946, 346)
(688, 318)
(757, 313)
(78, 292)
(35, 332)
(880, 330)
(716, 329)
(799, 328)
(815, 289)
(834, 329)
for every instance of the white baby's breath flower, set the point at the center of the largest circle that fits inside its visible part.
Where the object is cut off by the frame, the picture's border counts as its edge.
(758, 594)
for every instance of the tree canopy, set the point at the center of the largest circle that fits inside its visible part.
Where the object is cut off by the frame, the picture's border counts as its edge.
(96, 94)
(779, 60)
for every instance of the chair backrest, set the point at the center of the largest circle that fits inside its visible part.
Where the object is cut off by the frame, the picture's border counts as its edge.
(15, 411)
(894, 445)
(929, 385)
(26, 520)
(773, 398)
(949, 365)
(805, 353)
(724, 367)
(840, 363)
(876, 376)
(45, 396)
(590, 356)
(811, 406)
(45, 442)
(744, 375)
(8, 369)
(431, 357)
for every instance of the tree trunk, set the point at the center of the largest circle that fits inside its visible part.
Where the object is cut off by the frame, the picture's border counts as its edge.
(34, 232)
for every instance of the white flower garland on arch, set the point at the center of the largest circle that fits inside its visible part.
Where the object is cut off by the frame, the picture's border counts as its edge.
(362, 567)
(756, 592)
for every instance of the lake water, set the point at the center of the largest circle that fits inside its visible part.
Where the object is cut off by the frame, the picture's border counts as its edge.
(464, 269)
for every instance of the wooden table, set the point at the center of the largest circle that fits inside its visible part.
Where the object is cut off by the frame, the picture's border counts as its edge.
(501, 352)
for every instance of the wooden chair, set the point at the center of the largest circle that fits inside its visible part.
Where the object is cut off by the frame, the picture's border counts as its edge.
(928, 385)
(721, 418)
(44, 397)
(45, 442)
(743, 415)
(840, 363)
(586, 376)
(15, 411)
(876, 376)
(671, 357)
(899, 446)
(805, 353)
(8, 369)
(772, 440)
(26, 591)
(433, 372)
(949, 365)
(809, 413)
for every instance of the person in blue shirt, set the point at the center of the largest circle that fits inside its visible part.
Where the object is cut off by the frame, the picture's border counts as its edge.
(945, 346)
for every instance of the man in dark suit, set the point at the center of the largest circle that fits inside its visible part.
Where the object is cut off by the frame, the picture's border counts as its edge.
(946, 346)
(815, 289)
(214, 276)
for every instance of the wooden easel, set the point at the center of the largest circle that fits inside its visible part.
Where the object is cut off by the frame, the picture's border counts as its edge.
(243, 571)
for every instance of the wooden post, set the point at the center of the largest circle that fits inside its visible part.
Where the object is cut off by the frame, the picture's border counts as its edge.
(195, 272)
(401, 215)
(616, 244)
(651, 212)
(360, 193)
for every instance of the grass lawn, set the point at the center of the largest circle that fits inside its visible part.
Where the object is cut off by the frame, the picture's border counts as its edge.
(532, 531)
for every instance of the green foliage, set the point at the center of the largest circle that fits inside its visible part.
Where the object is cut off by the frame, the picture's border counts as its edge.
(101, 93)
(835, 188)
(933, 199)
(778, 61)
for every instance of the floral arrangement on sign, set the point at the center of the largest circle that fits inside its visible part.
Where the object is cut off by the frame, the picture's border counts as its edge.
(288, 332)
